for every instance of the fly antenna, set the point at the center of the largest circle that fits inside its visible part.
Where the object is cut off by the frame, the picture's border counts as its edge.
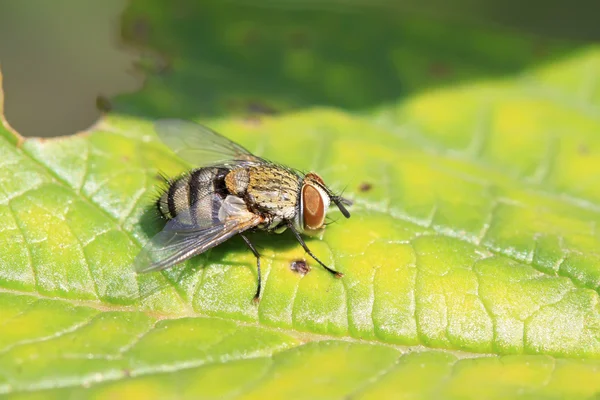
(338, 200)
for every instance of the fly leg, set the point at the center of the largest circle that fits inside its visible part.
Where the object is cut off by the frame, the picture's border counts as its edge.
(310, 253)
(251, 246)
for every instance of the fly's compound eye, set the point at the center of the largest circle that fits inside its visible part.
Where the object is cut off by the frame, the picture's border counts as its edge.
(315, 203)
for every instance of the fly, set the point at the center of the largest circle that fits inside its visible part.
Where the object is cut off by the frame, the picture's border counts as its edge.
(231, 192)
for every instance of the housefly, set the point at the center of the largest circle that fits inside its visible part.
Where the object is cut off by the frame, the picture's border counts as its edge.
(231, 192)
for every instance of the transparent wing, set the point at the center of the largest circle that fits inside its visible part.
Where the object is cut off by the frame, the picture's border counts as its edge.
(179, 241)
(200, 145)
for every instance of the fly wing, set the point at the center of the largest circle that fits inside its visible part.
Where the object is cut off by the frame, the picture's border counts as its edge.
(179, 240)
(200, 145)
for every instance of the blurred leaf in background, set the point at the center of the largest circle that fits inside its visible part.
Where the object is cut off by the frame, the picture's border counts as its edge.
(60, 56)
(57, 57)
(471, 259)
(246, 58)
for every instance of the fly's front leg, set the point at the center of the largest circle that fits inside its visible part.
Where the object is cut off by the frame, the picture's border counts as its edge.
(257, 255)
(310, 253)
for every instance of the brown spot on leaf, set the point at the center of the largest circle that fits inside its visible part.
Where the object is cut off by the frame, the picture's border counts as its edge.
(440, 70)
(583, 150)
(365, 187)
(103, 104)
(255, 107)
(140, 30)
(299, 39)
(126, 372)
(252, 120)
(251, 37)
(300, 266)
(255, 110)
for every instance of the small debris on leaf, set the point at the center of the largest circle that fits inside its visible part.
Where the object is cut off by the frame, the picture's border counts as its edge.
(365, 187)
(300, 266)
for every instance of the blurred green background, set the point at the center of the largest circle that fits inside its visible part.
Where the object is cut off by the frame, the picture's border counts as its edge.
(59, 56)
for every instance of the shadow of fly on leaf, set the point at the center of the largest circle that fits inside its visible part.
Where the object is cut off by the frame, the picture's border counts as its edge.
(230, 193)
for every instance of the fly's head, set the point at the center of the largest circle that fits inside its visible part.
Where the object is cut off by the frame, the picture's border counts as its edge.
(315, 199)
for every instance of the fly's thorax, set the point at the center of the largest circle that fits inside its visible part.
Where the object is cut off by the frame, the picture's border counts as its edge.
(195, 197)
(273, 190)
(237, 181)
(313, 206)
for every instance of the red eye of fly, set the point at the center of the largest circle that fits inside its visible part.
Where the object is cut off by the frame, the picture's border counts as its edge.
(313, 207)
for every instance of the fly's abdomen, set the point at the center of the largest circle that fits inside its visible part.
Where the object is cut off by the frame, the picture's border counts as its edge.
(172, 200)
(194, 198)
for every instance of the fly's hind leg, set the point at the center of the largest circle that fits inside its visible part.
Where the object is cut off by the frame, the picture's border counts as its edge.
(310, 253)
(257, 255)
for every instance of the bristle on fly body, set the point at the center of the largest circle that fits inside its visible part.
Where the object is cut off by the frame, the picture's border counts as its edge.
(329, 221)
(159, 191)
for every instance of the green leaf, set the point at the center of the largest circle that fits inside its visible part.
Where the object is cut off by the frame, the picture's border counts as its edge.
(471, 262)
